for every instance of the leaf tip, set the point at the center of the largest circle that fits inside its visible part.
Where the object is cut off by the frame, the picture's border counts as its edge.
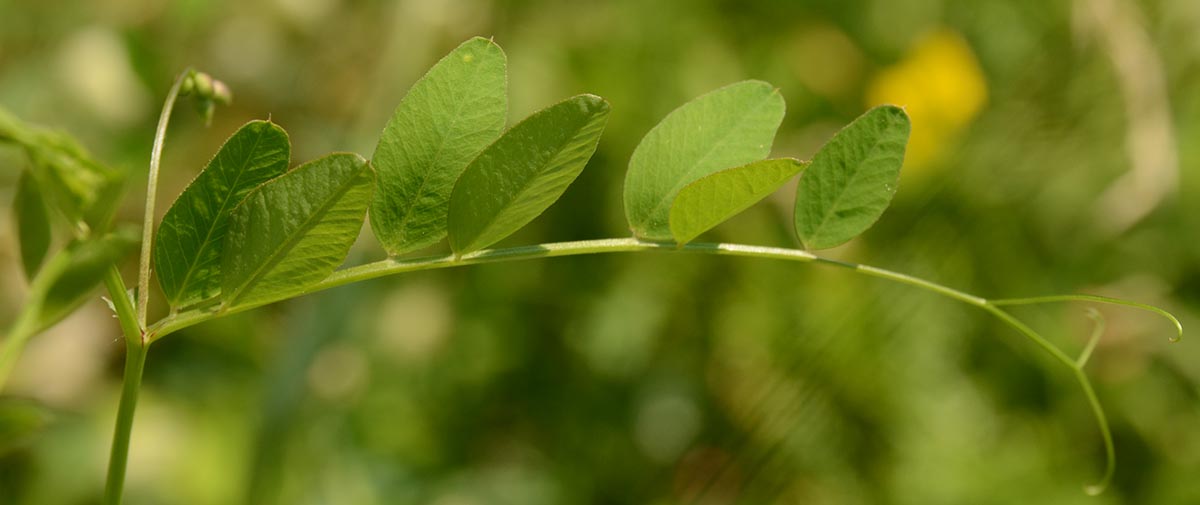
(593, 104)
(483, 44)
(900, 112)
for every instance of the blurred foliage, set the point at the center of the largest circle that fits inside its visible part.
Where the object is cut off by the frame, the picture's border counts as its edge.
(647, 378)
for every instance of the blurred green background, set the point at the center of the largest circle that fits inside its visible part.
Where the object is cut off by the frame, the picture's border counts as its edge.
(1053, 152)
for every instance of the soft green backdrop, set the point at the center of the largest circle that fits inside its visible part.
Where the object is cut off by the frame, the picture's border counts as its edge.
(1053, 150)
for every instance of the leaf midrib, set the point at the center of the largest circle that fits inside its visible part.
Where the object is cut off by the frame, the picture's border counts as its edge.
(204, 244)
(669, 196)
(280, 253)
(442, 141)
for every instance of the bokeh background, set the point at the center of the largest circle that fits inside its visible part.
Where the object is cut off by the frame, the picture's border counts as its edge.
(1053, 151)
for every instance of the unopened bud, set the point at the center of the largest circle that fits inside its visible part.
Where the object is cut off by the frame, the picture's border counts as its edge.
(221, 93)
(206, 92)
(202, 84)
(187, 86)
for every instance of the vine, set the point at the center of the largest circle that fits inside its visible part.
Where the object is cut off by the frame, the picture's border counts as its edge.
(248, 231)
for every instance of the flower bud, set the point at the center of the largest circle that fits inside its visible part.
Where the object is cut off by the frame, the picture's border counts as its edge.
(221, 93)
(202, 83)
(187, 86)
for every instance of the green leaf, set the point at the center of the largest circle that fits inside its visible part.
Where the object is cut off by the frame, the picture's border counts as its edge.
(21, 421)
(86, 264)
(725, 128)
(10, 127)
(82, 189)
(714, 198)
(444, 121)
(187, 250)
(852, 179)
(520, 175)
(74, 184)
(295, 230)
(33, 224)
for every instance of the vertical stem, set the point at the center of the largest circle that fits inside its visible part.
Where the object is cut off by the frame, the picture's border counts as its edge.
(133, 321)
(27, 323)
(160, 134)
(135, 360)
(15, 341)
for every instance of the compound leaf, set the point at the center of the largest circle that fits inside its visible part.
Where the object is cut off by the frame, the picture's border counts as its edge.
(520, 175)
(33, 224)
(852, 178)
(444, 121)
(714, 198)
(728, 127)
(187, 250)
(295, 230)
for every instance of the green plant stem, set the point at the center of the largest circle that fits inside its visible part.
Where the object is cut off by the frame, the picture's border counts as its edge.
(1097, 332)
(18, 335)
(28, 324)
(182, 320)
(1110, 452)
(133, 320)
(160, 135)
(1096, 299)
(387, 267)
(135, 360)
(1110, 465)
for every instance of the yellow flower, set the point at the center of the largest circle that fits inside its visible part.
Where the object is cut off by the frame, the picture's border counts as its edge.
(940, 85)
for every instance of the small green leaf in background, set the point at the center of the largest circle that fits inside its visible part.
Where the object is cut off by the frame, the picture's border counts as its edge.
(852, 179)
(21, 421)
(82, 189)
(87, 261)
(520, 175)
(444, 121)
(33, 224)
(187, 250)
(295, 230)
(714, 198)
(725, 128)
(10, 126)
(74, 184)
